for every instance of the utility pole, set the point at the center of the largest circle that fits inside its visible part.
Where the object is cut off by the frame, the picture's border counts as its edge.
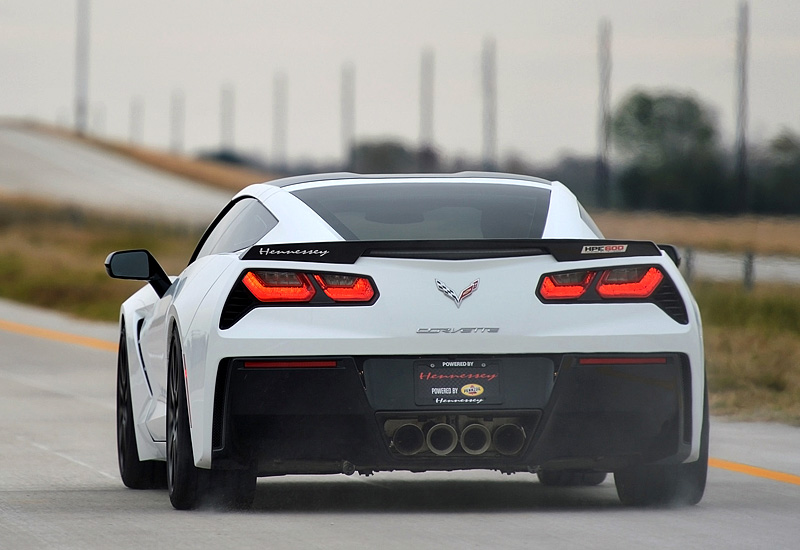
(742, 39)
(280, 126)
(177, 121)
(82, 67)
(426, 100)
(348, 115)
(603, 179)
(136, 127)
(226, 118)
(489, 104)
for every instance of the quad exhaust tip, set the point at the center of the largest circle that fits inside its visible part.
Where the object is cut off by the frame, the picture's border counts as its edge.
(509, 439)
(442, 439)
(408, 439)
(475, 439)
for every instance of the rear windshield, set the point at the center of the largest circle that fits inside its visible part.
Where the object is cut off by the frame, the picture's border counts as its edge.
(389, 211)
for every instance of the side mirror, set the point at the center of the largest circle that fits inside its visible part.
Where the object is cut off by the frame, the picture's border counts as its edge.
(138, 265)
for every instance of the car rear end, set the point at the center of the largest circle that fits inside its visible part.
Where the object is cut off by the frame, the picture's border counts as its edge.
(443, 355)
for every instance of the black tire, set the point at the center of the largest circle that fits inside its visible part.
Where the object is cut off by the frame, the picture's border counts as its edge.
(184, 480)
(135, 473)
(190, 486)
(570, 478)
(667, 485)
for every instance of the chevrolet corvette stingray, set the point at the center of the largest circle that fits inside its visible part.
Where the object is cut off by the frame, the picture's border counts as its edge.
(344, 323)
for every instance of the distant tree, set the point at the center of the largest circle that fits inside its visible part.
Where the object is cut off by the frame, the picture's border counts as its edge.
(672, 159)
(382, 157)
(778, 176)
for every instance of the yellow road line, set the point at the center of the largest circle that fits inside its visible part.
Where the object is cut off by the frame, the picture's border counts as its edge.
(37, 332)
(754, 471)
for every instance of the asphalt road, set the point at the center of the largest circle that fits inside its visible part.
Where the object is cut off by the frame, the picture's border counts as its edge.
(59, 486)
(40, 165)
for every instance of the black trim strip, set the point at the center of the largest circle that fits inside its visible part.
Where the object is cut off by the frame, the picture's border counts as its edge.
(348, 252)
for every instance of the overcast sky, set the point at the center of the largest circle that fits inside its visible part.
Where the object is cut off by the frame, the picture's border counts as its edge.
(547, 74)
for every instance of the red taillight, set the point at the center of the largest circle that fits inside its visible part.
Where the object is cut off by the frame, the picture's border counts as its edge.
(279, 286)
(345, 288)
(566, 286)
(629, 282)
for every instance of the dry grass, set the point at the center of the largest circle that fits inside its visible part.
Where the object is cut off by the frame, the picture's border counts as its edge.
(754, 374)
(52, 256)
(762, 235)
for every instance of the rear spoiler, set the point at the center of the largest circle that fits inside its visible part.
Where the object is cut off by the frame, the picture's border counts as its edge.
(348, 252)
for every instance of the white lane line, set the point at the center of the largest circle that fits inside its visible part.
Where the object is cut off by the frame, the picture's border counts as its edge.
(65, 456)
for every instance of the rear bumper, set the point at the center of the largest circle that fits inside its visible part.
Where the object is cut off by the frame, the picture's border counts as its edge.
(598, 412)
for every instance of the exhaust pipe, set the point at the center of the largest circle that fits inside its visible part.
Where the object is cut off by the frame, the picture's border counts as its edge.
(442, 439)
(475, 439)
(509, 439)
(408, 439)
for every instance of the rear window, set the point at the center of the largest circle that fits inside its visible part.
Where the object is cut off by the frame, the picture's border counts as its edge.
(389, 211)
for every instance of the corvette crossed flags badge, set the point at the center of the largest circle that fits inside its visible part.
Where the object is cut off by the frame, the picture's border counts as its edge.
(466, 293)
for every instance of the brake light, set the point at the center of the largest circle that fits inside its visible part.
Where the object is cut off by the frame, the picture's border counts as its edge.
(566, 286)
(629, 282)
(279, 286)
(345, 288)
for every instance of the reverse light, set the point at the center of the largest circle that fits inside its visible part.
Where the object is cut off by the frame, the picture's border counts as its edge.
(566, 286)
(279, 286)
(345, 288)
(629, 282)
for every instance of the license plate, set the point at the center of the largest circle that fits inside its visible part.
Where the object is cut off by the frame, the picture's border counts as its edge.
(443, 382)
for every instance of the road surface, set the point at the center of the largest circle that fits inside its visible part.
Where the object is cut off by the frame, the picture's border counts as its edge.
(59, 486)
(37, 164)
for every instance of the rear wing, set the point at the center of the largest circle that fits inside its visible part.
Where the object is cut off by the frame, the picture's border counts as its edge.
(348, 252)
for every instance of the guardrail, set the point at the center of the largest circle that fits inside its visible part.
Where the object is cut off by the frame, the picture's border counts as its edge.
(748, 268)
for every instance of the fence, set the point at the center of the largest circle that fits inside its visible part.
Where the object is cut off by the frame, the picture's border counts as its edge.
(748, 268)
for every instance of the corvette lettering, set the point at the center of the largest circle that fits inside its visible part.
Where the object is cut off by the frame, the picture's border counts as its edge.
(465, 330)
(299, 252)
(604, 249)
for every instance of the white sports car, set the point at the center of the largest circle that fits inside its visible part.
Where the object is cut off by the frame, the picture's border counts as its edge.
(343, 323)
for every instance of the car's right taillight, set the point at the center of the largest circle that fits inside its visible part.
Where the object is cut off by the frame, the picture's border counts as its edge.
(617, 284)
(629, 282)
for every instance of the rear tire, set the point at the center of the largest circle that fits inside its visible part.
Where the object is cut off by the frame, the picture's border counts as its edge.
(667, 485)
(190, 486)
(135, 473)
(570, 478)
(183, 477)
